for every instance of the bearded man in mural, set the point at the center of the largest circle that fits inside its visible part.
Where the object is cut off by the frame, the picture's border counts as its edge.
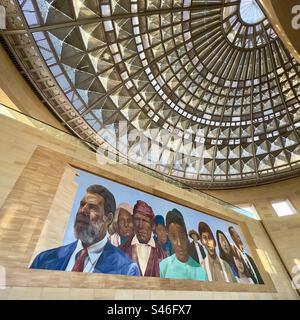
(250, 264)
(92, 252)
(142, 248)
(216, 268)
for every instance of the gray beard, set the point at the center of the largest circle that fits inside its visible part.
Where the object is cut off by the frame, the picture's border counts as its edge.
(88, 234)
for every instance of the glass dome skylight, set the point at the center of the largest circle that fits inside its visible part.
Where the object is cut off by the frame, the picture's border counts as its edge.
(250, 12)
(223, 85)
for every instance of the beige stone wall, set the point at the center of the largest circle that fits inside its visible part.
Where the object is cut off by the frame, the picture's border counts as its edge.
(36, 167)
(57, 219)
(284, 231)
(13, 158)
(16, 93)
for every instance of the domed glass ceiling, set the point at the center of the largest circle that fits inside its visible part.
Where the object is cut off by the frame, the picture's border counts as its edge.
(251, 12)
(208, 83)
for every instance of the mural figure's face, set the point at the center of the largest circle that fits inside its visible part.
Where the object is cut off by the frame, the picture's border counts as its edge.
(179, 240)
(237, 239)
(143, 227)
(209, 243)
(125, 223)
(91, 223)
(239, 265)
(161, 233)
(194, 237)
(224, 244)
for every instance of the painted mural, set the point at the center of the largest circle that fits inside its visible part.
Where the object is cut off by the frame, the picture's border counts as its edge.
(116, 229)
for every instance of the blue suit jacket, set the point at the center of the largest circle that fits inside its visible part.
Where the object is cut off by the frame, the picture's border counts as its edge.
(112, 260)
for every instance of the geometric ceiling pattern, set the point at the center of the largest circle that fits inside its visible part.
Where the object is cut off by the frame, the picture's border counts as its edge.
(213, 74)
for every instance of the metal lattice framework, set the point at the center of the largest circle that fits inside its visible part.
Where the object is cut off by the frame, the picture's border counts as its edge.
(213, 74)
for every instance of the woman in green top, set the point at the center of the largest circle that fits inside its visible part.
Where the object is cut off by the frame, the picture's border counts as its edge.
(179, 265)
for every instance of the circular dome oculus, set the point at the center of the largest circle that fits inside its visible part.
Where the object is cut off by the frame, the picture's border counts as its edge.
(250, 12)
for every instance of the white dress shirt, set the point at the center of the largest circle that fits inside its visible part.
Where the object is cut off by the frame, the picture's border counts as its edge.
(94, 253)
(2, 17)
(244, 280)
(115, 239)
(198, 252)
(143, 252)
(207, 262)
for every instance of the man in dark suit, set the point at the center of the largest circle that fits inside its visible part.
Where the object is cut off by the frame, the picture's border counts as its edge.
(92, 252)
(250, 264)
(196, 250)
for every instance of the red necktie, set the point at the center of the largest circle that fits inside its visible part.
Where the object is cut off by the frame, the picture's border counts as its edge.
(79, 264)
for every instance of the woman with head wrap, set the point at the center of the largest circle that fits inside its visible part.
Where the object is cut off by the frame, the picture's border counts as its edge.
(121, 229)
